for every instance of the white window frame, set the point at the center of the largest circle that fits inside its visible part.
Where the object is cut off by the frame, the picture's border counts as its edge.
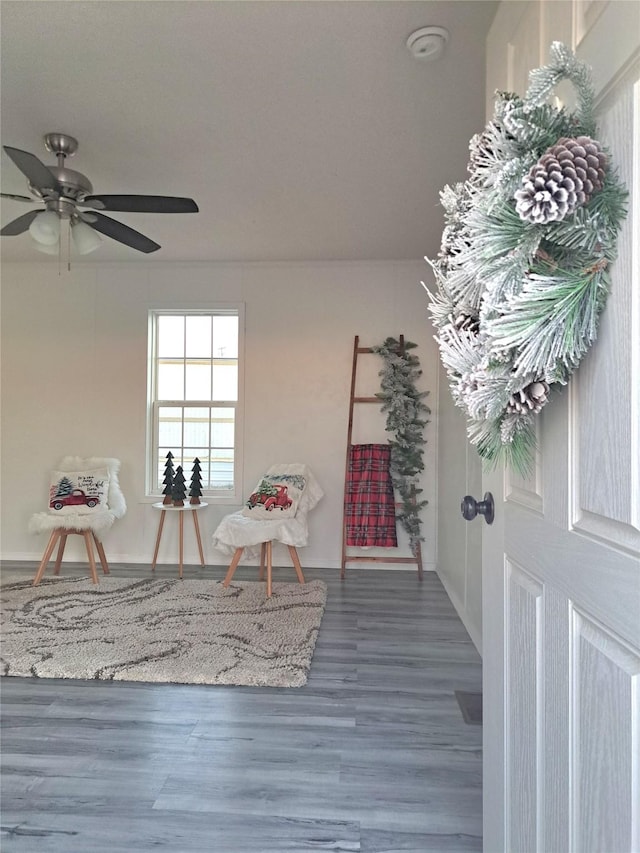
(152, 487)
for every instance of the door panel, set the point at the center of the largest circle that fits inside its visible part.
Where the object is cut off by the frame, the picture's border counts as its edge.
(606, 466)
(561, 564)
(606, 692)
(607, 680)
(525, 715)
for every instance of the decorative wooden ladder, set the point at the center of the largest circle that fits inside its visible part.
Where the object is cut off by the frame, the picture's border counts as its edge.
(346, 558)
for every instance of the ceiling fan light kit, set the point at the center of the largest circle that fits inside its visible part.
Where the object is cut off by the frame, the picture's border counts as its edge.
(52, 249)
(85, 239)
(63, 191)
(45, 228)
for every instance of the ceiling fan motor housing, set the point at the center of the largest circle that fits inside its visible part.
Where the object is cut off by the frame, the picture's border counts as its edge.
(71, 187)
(72, 184)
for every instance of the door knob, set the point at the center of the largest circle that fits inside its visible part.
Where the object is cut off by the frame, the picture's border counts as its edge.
(470, 507)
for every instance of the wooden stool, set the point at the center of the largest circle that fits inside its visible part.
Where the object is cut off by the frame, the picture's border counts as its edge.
(59, 535)
(193, 509)
(265, 551)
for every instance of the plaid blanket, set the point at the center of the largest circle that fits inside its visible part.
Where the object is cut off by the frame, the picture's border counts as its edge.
(369, 503)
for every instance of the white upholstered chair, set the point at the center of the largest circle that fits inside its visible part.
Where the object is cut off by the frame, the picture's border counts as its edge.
(238, 534)
(90, 519)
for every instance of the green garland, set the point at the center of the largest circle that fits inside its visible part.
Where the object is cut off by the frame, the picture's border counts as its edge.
(524, 266)
(405, 418)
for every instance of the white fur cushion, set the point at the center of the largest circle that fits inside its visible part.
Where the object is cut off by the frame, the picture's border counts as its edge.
(115, 500)
(98, 521)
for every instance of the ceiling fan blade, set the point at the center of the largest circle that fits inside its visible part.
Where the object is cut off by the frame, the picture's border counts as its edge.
(141, 203)
(120, 232)
(19, 225)
(29, 165)
(17, 197)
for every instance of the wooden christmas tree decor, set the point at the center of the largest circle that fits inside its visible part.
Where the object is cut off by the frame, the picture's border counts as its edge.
(168, 479)
(178, 491)
(195, 490)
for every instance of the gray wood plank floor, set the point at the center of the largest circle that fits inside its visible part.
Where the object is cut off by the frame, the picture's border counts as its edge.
(371, 755)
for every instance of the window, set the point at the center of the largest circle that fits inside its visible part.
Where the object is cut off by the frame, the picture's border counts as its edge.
(194, 397)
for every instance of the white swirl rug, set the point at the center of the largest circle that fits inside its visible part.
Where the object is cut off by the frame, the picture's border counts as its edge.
(162, 630)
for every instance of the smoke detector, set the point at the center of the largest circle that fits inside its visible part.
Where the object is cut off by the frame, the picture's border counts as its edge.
(428, 43)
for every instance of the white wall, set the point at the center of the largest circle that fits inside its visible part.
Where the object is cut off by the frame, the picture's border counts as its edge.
(74, 371)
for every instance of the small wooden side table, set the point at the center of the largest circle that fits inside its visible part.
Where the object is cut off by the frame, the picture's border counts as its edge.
(194, 509)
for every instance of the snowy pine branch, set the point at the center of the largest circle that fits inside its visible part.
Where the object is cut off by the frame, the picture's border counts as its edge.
(406, 419)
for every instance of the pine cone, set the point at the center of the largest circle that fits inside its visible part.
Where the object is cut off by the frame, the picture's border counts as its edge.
(464, 321)
(565, 177)
(529, 399)
(480, 147)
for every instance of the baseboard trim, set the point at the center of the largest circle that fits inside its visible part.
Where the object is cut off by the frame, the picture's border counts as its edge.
(192, 560)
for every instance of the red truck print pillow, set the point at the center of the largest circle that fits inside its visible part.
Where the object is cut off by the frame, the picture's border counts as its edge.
(78, 492)
(276, 496)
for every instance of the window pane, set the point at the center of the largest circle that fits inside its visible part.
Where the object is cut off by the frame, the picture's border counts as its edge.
(196, 427)
(170, 381)
(191, 453)
(222, 469)
(170, 336)
(198, 337)
(225, 381)
(225, 337)
(198, 381)
(222, 427)
(169, 428)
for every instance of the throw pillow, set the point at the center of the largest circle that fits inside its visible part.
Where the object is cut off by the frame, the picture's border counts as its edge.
(275, 496)
(79, 492)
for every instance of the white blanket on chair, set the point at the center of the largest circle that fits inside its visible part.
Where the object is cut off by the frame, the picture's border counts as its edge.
(238, 531)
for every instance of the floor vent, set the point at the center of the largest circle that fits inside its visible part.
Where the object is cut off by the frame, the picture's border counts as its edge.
(471, 707)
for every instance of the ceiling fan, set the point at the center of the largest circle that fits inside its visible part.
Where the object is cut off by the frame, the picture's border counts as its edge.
(64, 191)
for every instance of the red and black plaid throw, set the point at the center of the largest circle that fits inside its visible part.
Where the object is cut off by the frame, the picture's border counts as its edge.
(370, 513)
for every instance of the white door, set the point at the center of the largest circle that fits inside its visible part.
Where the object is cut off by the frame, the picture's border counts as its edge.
(561, 563)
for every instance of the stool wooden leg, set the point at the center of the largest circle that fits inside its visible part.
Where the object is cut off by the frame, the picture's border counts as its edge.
(55, 535)
(158, 537)
(61, 546)
(194, 514)
(263, 554)
(92, 560)
(233, 566)
(296, 562)
(181, 537)
(101, 554)
(269, 565)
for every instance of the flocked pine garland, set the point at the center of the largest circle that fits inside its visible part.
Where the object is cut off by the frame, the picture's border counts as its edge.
(406, 418)
(524, 266)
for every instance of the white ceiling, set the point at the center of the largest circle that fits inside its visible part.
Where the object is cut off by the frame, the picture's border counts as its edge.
(304, 130)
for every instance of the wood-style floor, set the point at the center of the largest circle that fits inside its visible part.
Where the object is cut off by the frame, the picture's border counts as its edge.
(371, 755)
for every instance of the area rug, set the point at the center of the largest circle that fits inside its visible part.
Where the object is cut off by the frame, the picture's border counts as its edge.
(161, 630)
